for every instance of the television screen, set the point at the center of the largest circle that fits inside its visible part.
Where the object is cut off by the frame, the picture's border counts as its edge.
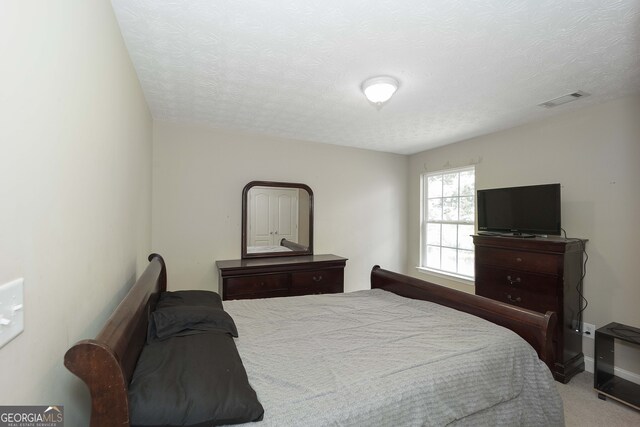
(533, 209)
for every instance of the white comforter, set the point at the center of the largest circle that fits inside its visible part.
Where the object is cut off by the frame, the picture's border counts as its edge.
(372, 358)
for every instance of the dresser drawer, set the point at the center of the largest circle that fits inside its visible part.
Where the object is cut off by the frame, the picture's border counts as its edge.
(510, 279)
(268, 283)
(313, 278)
(521, 298)
(520, 260)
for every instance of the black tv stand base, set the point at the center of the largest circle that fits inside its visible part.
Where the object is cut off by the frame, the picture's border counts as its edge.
(516, 235)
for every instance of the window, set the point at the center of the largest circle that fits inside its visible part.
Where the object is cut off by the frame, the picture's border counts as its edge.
(448, 221)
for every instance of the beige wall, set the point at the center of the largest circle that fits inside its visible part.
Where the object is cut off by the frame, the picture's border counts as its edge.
(595, 154)
(360, 200)
(75, 186)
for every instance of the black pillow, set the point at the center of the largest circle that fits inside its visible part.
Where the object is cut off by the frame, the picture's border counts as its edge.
(177, 321)
(195, 380)
(190, 297)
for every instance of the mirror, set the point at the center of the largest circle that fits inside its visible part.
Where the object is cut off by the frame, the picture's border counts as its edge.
(277, 219)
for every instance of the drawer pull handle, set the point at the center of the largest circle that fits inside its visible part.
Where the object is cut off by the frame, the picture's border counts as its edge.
(317, 278)
(518, 259)
(516, 299)
(262, 284)
(513, 281)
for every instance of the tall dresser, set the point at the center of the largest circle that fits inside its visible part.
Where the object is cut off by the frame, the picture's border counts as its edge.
(540, 274)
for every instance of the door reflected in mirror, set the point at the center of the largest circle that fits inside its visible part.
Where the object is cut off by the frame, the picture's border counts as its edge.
(277, 219)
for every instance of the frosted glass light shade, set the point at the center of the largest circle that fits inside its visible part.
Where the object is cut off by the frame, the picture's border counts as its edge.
(379, 89)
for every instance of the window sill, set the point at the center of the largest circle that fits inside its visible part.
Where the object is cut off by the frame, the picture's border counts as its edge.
(452, 277)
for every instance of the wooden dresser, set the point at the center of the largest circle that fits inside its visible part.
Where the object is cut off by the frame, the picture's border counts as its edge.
(281, 276)
(541, 274)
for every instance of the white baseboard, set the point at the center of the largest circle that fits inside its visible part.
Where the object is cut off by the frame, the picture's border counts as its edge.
(627, 375)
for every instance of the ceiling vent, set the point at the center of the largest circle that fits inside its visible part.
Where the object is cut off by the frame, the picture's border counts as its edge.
(564, 99)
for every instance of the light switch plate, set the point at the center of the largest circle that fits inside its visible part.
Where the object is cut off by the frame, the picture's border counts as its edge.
(11, 310)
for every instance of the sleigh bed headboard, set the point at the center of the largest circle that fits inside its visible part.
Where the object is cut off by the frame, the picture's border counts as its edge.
(107, 362)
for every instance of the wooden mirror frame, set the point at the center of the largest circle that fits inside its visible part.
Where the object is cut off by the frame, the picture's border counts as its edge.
(245, 220)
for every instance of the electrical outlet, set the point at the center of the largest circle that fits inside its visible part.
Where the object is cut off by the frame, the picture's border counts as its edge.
(588, 330)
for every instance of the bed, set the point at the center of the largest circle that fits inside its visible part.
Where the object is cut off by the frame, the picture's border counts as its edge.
(267, 249)
(311, 362)
(285, 246)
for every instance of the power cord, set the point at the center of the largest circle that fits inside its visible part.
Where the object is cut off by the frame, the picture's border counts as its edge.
(580, 283)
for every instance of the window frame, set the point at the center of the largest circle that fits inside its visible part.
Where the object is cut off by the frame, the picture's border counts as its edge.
(424, 221)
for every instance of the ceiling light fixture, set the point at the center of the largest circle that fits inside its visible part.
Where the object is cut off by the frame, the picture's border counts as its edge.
(379, 90)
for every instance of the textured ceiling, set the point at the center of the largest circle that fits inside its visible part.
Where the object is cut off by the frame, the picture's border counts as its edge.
(293, 68)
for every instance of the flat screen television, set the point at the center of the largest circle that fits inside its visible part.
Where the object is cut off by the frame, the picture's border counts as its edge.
(520, 211)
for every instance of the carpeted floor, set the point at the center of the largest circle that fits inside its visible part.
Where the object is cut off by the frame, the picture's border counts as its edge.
(583, 408)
